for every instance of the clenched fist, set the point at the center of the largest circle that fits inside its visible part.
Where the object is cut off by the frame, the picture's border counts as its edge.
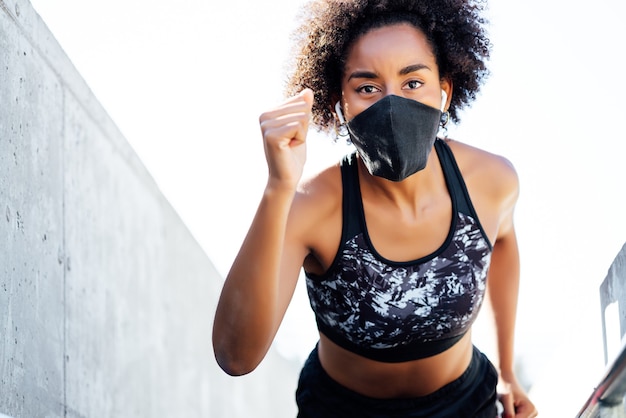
(284, 131)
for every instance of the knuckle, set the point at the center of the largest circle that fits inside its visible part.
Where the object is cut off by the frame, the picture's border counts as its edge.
(262, 119)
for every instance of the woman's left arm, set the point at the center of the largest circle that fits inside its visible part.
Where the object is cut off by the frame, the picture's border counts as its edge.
(503, 289)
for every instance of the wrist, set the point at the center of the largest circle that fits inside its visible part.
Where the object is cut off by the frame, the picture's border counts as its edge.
(279, 189)
(507, 375)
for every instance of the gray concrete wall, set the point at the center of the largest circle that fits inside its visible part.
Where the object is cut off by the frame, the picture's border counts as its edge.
(106, 299)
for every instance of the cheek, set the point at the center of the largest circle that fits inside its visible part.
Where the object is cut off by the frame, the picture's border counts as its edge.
(351, 110)
(352, 106)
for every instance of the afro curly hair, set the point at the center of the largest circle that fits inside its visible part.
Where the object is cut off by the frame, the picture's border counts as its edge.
(455, 30)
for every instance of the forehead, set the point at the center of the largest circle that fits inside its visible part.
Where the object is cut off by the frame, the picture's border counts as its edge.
(397, 44)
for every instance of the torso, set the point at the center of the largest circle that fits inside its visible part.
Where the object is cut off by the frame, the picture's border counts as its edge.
(392, 229)
(394, 380)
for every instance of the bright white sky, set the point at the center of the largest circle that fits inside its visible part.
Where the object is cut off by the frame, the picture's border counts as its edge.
(185, 81)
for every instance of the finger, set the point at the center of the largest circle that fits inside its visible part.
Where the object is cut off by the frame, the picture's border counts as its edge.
(300, 117)
(308, 96)
(525, 409)
(292, 106)
(296, 124)
(286, 135)
(302, 102)
(507, 404)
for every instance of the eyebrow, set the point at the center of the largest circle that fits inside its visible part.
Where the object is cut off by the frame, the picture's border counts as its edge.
(363, 74)
(412, 68)
(404, 71)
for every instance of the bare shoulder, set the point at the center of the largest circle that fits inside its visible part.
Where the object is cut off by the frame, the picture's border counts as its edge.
(318, 200)
(492, 184)
(492, 174)
(321, 187)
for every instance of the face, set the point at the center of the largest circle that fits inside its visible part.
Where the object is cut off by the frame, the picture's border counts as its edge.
(395, 59)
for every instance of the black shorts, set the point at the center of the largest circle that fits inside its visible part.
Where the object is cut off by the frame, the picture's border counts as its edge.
(473, 394)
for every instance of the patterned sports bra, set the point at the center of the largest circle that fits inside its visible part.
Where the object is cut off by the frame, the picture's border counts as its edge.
(399, 311)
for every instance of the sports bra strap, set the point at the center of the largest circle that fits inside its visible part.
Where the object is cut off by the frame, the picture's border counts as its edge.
(351, 196)
(352, 193)
(453, 177)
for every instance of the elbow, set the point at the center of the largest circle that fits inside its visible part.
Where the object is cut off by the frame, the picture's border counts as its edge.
(237, 353)
(233, 362)
(234, 366)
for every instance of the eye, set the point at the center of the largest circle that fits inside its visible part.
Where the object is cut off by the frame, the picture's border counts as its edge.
(367, 89)
(413, 84)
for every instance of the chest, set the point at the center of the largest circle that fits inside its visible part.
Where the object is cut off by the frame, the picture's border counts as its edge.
(385, 303)
(401, 236)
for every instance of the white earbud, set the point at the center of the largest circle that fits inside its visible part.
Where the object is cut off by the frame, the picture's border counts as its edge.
(444, 99)
(339, 113)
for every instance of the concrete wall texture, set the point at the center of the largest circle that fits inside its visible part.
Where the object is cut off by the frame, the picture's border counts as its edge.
(106, 299)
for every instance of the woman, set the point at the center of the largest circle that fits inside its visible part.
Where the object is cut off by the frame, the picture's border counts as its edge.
(401, 240)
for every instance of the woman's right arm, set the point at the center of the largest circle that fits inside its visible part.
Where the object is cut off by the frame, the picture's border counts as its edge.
(263, 277)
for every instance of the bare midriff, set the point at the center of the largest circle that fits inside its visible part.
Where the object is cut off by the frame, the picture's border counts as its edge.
(409, 379)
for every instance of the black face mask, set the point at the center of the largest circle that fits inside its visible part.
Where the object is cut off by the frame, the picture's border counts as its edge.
(394, 136)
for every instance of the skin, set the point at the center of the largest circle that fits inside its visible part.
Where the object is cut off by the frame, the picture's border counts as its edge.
(298, 224)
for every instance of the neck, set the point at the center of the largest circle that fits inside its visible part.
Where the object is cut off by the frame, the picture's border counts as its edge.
(413, 191)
